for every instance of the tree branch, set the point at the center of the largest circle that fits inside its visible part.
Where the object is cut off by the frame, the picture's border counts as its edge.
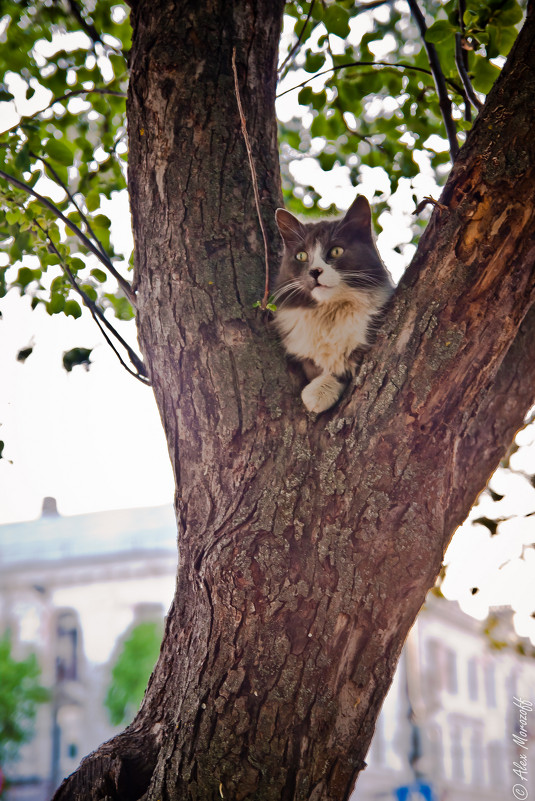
(438, 76)
(299, 38)
(103, 258)
(254, 179)
(73, 201)
(66, 96)
(464, 59)
(463, 74)
(99, 317)
(86, 26)
(396, 65)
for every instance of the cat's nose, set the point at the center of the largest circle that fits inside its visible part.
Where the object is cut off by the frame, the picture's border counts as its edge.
(315, 273)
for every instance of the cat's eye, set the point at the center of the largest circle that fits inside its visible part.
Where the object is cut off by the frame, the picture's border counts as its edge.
(336, 252)
(302, 255)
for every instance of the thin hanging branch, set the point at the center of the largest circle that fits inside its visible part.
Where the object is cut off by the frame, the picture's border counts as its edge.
(385, 64)
(439, 79)
(463, 74)
(66, 96)
(464, 60)
(86, 26)
(51, 169)
(254, 179)
(99, 316)
(102, 257)
(299, 39)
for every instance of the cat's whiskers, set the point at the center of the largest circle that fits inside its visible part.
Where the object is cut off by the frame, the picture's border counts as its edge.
(365, 279)
(294, 292)
(289, 287)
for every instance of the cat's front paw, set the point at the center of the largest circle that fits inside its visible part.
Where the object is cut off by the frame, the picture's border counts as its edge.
(322, 393)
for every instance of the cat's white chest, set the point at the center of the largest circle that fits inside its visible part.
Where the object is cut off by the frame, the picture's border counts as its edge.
(329, 332)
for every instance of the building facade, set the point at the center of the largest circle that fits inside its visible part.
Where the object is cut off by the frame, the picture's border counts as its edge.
(70, 587)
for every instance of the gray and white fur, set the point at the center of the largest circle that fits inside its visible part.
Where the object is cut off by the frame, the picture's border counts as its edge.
(330, 286)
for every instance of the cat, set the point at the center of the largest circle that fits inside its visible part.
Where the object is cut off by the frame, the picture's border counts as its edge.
(330, 286)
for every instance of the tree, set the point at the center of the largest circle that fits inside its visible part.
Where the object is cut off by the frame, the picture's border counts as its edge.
(20, 696)
(306, 545)
(131, 672)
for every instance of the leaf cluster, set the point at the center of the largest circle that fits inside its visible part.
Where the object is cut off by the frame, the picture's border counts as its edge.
(69, 60)
(131, 672)
(20, 695)
(367, 91)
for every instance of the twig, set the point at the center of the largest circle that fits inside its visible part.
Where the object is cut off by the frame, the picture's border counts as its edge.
(99, 317)
(464, 58)
(336, 103)
(397, 65)
(461, 69)
(428, 199)
(299, 39)
(66, 96)
(106, 261)
(72, 199)
(89, 29)
(439, 79)
(254, 179)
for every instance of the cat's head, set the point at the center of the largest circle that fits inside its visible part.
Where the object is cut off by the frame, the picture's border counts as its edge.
(322, 260)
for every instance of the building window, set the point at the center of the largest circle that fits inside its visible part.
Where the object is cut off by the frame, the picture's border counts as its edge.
(67, 638)
(496, 764)
(451, 670)
(457, 754)
(433, 671)
(478, 758)
(473, 686)
(436, 751)
(490, 686)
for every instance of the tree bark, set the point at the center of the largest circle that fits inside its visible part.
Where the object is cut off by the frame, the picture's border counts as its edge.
(306, 545)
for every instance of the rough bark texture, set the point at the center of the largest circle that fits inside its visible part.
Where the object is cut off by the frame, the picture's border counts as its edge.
(306, 545)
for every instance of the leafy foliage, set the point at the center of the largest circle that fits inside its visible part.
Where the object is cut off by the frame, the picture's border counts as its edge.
(367, 99)
(367, 90)
(67, 157)
(131, 672)
(20, 695)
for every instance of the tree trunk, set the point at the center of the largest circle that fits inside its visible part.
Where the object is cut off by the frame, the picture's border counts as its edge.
(306, 545)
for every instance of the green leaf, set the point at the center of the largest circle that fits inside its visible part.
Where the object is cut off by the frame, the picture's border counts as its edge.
(99, 275)
(304, 97)
(122, 308)
(59, 151)
(484, 75)
(25, 276)
(76, 357)
(72, 309)
(439, 31)
(24, 353)
(56, 304)
(336, 20)
(509, 14)
(314, 61)
(92, 200)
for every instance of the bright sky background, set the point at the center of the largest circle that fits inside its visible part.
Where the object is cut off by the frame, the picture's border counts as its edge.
(94, 440)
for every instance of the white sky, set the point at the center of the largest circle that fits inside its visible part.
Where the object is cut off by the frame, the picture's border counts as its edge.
(94, 440)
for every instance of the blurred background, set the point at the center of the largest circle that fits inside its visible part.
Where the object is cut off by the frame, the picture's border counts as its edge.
(87, 533)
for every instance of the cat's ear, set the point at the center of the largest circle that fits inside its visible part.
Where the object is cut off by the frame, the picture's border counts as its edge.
(359, 215)
(289, 226)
